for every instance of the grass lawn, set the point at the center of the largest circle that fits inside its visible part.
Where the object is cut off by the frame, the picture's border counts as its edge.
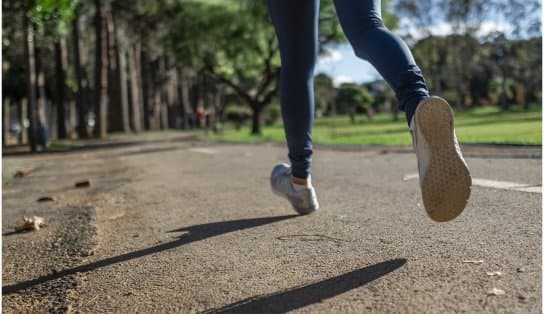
(481, 125)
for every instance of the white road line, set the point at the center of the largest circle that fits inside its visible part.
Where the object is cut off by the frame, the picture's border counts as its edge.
(203, 150)
(410, 176)
(494, 184)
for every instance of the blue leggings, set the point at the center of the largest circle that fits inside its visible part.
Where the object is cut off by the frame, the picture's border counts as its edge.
(296, 24)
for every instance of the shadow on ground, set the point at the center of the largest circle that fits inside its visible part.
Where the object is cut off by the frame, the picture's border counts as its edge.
(90, 145)
(191, 234)
(14, 232)
(301, 296)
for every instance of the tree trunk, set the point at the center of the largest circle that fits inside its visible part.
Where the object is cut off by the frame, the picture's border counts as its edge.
(256, 118)
(164, 81)
(5, 111)
(217, 110)
(172, 99)
(117, 111)
(183, 95)
(41, 108)
(31, 82)
(71, 116)
(5, 121)
(124, 89)
(503, 95)
(154, 108)
(23, 114)
(147, 95)
(135, 91)
(61, 65)
(101, 70)
(114, 115)
(80, 62)
(351, 112)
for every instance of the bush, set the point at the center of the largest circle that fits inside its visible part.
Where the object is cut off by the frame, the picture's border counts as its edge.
(237, 115)
(273, 114)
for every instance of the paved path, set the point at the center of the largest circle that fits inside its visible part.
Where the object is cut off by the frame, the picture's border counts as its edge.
(183, 226)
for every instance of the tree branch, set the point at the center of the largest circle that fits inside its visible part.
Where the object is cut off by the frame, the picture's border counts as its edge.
(221, 79)
(271, 93)
(270, 73)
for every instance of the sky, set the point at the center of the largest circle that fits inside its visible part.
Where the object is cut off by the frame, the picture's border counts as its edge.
(343, 66)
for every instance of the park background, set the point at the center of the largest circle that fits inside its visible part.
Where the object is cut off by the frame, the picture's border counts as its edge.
(77, 70)
(141, 207)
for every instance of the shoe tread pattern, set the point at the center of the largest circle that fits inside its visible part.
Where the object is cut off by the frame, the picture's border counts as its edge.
(446, 184)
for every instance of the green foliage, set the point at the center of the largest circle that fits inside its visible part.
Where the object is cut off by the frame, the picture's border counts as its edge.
(273, 114)
(470, 72)
(234, 38)
(465, 67)
(52, 17)
(330, 31)
(324, 91)
(389, 18)
(353, 98)
(237, 115)
(232, 41)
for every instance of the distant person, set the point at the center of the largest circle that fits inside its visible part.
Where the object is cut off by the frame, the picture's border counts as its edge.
(200, 117)
(444, 176)
(191, 119)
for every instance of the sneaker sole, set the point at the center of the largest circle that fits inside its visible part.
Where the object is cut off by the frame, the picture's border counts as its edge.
(301, 211)
(446, 186)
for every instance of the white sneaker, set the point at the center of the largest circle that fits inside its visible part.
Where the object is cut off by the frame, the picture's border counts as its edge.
(444, 177)
(302, 198)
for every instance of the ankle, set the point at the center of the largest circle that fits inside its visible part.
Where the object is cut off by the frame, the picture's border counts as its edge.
(301, 181)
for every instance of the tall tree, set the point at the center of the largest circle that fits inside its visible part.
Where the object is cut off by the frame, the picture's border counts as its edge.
(243, 56)
(61, 61)
(52, 18)
(352, 98)
(31, 81)
(135, 90)
(101, 68)
(423, 15)
(325, 94)
(117, 89)
(142, 21)
(39, 15)
(82, 81)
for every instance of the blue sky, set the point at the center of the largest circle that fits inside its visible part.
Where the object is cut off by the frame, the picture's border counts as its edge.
(343, 66)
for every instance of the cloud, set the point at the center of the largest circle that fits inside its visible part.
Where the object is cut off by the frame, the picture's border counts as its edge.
(489, 27)
(339, 79)
(444, 28)
(331, 56)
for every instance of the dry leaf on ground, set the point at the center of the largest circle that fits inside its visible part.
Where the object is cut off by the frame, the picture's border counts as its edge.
(46, 199)
(496, 291)
(34, 223)
(22, 172)
(83, 184)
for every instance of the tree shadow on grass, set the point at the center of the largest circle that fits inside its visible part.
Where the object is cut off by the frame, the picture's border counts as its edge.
(192, 234)
(301, 296)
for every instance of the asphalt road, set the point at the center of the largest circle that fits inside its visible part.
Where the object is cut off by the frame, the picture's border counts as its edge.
(184, 226)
